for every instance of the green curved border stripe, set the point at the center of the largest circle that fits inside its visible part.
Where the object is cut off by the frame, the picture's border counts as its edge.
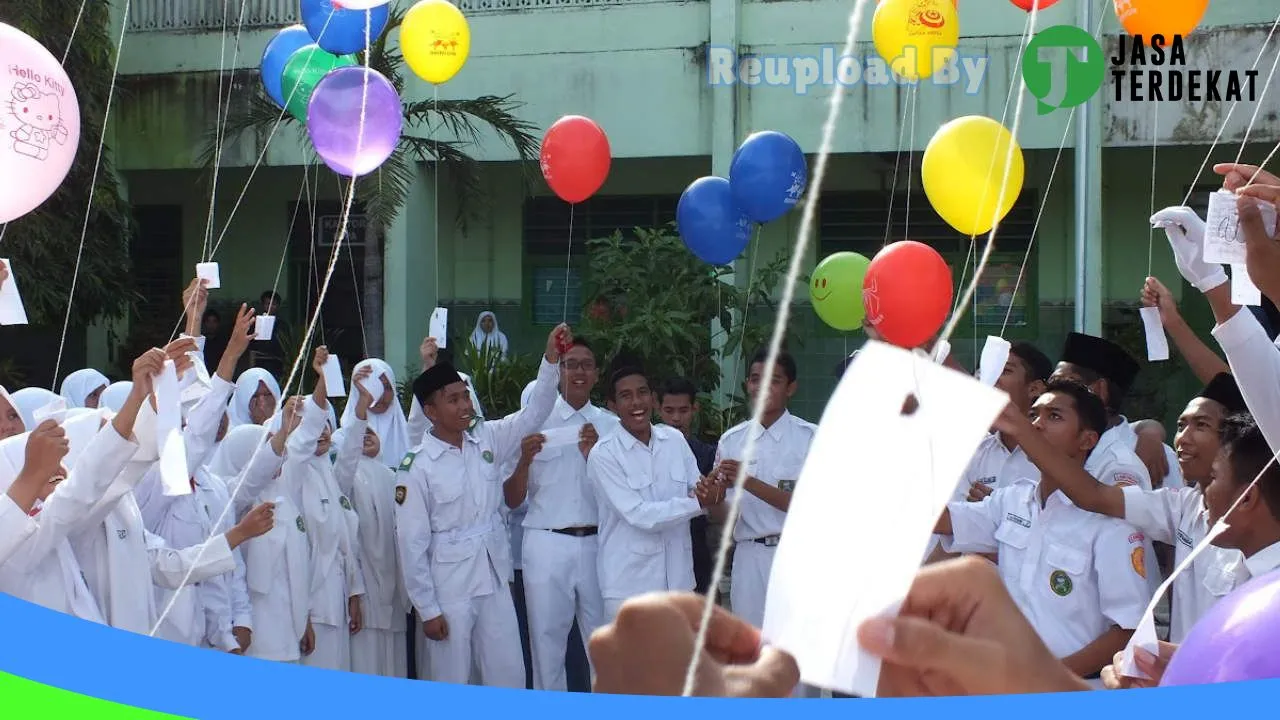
(21, 699)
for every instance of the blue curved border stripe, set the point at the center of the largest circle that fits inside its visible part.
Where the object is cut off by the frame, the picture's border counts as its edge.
(98, 662)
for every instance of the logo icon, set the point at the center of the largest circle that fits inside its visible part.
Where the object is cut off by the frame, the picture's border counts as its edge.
(488, 456)
(344, 502)
(1060, 583)
(401, 492)
(1139, 560)
(1063, 66)
(302, 527)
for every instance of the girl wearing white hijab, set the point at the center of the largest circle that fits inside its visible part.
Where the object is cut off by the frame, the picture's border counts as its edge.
(256, 399)
(333, 528)
(114, 396)
(487, 333)
(83, 388)
(10, 419)
(28, 400)
(385, 416)
(364, 475)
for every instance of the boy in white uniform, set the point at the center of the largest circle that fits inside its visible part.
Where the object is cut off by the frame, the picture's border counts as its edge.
(1078, 577)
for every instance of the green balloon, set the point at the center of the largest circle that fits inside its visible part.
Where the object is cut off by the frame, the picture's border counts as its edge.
(306, 66)
(835, 289)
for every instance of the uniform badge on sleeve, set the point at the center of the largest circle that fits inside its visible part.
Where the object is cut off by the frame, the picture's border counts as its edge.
(1060, 583)
(401, 492)
(1125, 479)
(344, 502)
(488, 456)
(407, 462)
(302, 527)
(787, 485)
(1139, 559)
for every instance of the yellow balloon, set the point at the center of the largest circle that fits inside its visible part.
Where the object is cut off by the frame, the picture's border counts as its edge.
(435, 40)
(916, 37)
(963, 173)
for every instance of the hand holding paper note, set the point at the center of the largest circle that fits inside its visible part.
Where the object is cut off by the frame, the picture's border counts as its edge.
(813, 613)
(12, 311)
(208, 271)
(333, 379)
(1157, 343)
(440, 326)
(1224, 243)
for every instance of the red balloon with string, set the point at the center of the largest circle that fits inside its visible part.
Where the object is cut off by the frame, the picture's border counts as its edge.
(1028, 4)
(907, 293)
(575, 158)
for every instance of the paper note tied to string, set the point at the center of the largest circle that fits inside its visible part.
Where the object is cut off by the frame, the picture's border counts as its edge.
(371, 385)
(333, 379)
(1243, 291)
(994, 356)
(56, 411)
(941, 351)
(1144, 636)
(263, 326)
(874, 478)
(208, 272)
(1223, 238)
(175, 479)
(12, 312)
(1153, 326)
(439, 328)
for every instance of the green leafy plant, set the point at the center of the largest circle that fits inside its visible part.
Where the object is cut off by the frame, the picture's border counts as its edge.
(1149, 398)
(498, 381)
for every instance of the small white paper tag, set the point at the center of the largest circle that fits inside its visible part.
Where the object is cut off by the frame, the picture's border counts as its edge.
(561, 437)
(1157, 343)
(995, 354)
(813, 613)
(1243, 291)
(56, 411)
(941, 351)
(373, 385)
(12, 311)
(1223, 241)
(175, 478)
(263, 326)
(209, 271)
(333, 379)
(439, 326)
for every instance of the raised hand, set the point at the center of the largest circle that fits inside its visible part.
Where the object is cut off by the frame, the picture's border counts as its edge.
(428, 350)
(558, 343)
(530, 446)
(1185, 231)
(587, 439)
(364, 399)
(243, 333)
(1238, 175)
(194, 301)
(1156, 295)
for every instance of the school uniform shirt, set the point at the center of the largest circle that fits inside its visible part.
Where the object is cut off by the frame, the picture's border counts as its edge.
(1244, 569)
(994, 466)
(1255, 363)
(1174, 477)
(1073, 573)
(560, 495)
(419, 424)
(780, 452)
(645, 495)
(1113, 462)
(1177, 516)
(449, 526)
(15, 527)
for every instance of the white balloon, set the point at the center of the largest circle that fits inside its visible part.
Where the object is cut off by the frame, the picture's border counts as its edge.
(359, 4)
(39, 124)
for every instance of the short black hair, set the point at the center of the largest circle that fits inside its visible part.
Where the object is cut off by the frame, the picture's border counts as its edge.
(211, 313)
(1115, 392)
(785, 362)
(271, 295)
(679, 386)
(1093, 414)
(1039, 366)
(1251, 457)
(621, 374)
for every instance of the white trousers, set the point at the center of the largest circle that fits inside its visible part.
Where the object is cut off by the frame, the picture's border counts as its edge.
(333, 648)
(422, 658)
(373, 652)
(752, 562)
(483, 632)
(560, 584)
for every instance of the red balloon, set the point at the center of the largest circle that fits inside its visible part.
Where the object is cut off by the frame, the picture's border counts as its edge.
(1028, 4)
(907, 293)
(575, 158)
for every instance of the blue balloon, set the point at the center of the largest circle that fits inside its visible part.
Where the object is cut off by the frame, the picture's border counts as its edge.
(342, 31)
(276, 56)
(710, 223)
(768, 175)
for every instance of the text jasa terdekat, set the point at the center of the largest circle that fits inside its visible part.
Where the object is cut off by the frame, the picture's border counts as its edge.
(1153, 69)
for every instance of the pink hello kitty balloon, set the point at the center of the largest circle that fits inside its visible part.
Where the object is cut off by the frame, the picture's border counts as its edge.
(39, 124)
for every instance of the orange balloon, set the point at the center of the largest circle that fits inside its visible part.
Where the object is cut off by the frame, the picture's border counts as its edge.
(1160, 17)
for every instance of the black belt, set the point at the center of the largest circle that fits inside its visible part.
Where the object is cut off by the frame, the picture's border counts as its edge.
(578, 532)
(768, 540)
(1095, 676)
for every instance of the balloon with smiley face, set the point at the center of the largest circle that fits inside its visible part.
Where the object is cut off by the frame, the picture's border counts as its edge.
(836, 290)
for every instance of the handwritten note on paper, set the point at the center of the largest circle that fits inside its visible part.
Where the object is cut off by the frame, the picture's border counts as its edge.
(814, 613)
(1157, 343)
(333, 379)
(175, 479)
(1144, 636)
(12, 311)
(208, 271)
(1243, 291)
(1223, 240)
(995, 354)
(439, 326)
(263, 326)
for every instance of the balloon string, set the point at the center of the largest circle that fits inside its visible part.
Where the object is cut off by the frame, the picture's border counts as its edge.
(435, 190)
(75, 27)
(897, 164)
(1155, 137)
(911, 158)
(222, 115)
(568, 260)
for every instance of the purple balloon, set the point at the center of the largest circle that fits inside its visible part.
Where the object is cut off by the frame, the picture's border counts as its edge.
(333, 120)
(1236, 640)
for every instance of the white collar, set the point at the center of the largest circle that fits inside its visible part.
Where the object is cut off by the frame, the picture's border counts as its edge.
(1263, 561)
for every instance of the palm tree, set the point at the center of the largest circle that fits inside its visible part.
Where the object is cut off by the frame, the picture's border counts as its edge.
(384, 192)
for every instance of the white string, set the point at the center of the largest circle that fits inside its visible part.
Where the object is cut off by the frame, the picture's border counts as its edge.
(1155, 139)
(75, 27)
(775, 345)
(897, 163)
(311, 327)
(93, 183)
(1258, 106)
(911, 157)
(221, 118)
(1205, 163)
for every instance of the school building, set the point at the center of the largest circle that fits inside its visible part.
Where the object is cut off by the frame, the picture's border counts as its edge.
(651, 73)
